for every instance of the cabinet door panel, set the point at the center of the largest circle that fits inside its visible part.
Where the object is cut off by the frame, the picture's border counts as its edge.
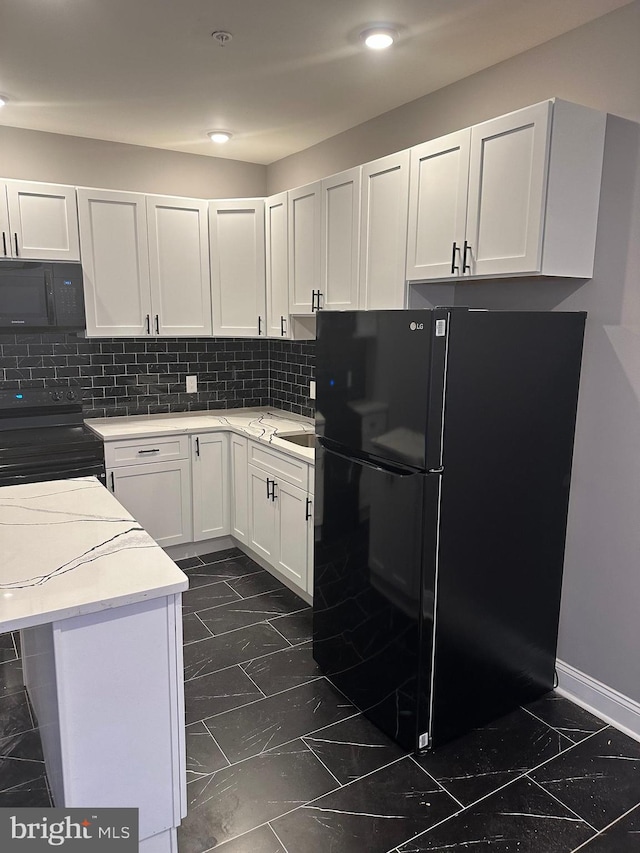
(115, 263)
(383, 232)
(340, 240)
(437, 206)
(237, 267)
(179, 265)
(304, 246)
(507, 192)
(7, 249)
(44, 218)
(293, 533)
(277, 265)
(158, 496)
(210, 470)
(239, 498)
(262, 517)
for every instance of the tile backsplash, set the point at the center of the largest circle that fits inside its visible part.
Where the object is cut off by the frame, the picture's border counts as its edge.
(135, 376)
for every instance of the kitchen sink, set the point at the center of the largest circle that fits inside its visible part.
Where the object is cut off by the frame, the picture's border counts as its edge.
(304, 439)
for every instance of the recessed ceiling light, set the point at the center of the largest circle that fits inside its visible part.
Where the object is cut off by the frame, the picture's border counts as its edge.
(3, 100)
(379, 38)
(219, 136)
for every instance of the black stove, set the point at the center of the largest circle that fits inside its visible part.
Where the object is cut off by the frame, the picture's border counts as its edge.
(43, 437)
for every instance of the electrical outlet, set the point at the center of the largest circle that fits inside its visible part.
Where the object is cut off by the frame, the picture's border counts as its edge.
(192, 384)
(312, 389)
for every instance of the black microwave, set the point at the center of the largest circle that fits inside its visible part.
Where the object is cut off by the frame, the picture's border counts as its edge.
(35, 296)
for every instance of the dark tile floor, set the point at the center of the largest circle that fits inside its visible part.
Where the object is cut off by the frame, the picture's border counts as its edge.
(280, 762)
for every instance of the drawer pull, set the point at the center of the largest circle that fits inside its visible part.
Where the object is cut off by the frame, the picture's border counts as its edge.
(154, 450)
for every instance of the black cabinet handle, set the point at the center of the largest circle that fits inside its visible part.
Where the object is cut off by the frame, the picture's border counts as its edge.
(197, 446)
(15, 237)
(153, 450)
(282, 328)
(454, 267)
(148, 322)
(259, 324)
(465, 265)
(113, 483)
(268, 489)
(4, 243)
(157, 324)
(313, 300)
(307, 514)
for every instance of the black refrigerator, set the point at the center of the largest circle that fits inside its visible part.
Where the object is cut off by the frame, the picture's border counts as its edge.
(442, 488)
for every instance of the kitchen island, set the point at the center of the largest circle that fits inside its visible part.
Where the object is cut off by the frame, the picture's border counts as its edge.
(98, 604)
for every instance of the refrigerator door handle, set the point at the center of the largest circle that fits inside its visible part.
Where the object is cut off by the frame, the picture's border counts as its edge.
(439, 470)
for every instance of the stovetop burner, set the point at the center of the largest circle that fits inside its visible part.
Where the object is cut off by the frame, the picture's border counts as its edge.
(43, 437)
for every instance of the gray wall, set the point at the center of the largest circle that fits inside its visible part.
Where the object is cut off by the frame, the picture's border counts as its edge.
(597, 65)
(32, 155)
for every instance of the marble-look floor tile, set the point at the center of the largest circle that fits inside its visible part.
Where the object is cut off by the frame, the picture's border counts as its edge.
(520, 818)
(278, 719)
(239, 798)
(210, 595)
(373, 814)
(224, 554)
(241, 646)
(569, 719)
(296, 627)
(599, 778)
(193, 629)
(11, 678)
(15, 716)
(261, 840)
(482, 761)
(21, 759)
(188, 563)
(204, 756)
(255, 584)
(284, 669)
(34, 793)
(222, 570)
(353, 748)
(623, 836)
(7, 648)
(249, 611)
(221, 691)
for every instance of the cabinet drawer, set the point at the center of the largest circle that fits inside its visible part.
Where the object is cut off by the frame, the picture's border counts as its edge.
(138, 451)
(280, 465)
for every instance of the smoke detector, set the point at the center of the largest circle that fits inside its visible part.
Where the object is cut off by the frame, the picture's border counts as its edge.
(222, 37)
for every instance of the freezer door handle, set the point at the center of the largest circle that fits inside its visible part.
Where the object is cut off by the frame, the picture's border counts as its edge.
(376, 464)
(439, 470)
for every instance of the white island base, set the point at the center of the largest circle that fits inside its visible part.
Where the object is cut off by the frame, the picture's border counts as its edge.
(103, 659)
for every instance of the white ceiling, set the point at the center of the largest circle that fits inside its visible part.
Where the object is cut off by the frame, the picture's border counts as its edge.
(148, 72)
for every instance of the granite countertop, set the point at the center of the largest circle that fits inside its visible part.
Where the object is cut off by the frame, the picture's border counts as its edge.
(68, 548)
(259, 424)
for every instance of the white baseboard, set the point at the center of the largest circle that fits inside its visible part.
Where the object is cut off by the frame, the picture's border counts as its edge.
(614, 708)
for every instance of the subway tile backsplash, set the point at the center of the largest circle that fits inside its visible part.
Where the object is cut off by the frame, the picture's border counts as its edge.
(135, 376)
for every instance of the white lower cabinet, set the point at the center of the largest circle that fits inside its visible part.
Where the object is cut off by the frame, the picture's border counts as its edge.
(238, 498)
(262, 515)
(210, 478)
(158, 496)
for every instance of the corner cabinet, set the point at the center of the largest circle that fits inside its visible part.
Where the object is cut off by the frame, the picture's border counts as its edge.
(210, 478)
(38, 222)
(517, 195)
(145, 261)
(237, 256)
(276, 215)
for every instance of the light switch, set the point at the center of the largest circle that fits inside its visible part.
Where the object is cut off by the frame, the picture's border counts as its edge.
(312, 389)
(192, 384)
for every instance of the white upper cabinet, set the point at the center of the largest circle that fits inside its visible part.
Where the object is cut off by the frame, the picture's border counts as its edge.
(277, 266)
(304, 247)
(179, 266)
(38, 222)
(115, 263)
(383, 232)
(531, 191)
(339, 241)
(438, 206)
(237, 252)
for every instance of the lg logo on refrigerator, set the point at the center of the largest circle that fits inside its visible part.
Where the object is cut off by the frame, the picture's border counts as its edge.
(415, 326)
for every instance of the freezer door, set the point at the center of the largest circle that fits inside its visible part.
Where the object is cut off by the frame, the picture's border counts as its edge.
(372, 381)
(369, 634)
